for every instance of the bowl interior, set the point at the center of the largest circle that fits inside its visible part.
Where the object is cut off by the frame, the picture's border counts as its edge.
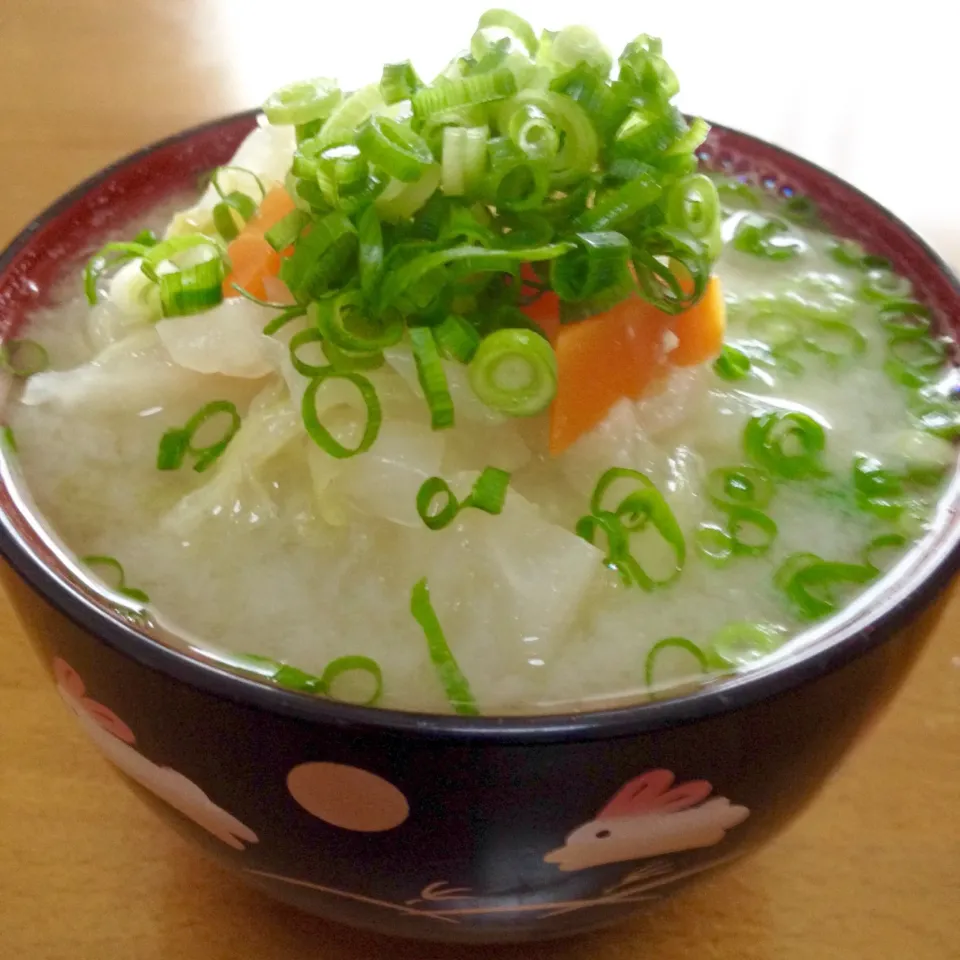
(54, 245)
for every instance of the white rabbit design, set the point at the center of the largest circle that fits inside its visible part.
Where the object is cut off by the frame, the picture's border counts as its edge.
(115, 740)
(648, 819)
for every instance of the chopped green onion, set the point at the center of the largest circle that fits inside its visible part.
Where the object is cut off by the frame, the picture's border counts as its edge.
(935, 413)
(607, 479)
(622, 204)
(399, 81)
(319, 433)
(351, 664)
(286, 230)
(914, 361)
(283, 318)
(886, 541)
(740, 487)
(672, 269)
(120, 586)
(192, 289)
(489, 493)
(801, 209)
(692, 205)
(9, 438)
(177, 443)
(432, 377)
(176, 247)
(455, 684)
(436, 519)
(245, 209)
(514, 372)
(672, 644)
(394, 148)
(146, 237)
(497, 20)
(343, 322)
(835, 340)
(792, 565)
(714, 544)
(766, 237)
(780, 332)
(400, 201)
(740, 644)
(464, 160)
(732, 364)
(320, 256)
(106, 258)
(905, 318)
(23, 358)
(751, 531)
(735, 193)
(811, 589)
(457, 338)
(446, 95)
(533, 133)
(787, 444)
(881, 285)
(847, 253)
(370, 251)
(341, 359)
(597, 264)
(303, 102)
(877, 490)
(300, 339)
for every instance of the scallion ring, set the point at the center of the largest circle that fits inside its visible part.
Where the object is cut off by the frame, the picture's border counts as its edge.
(766, 237)
(394, 148)
(436, 518)
(303, 102)
(177, 443)
(319, 433)
(714, 544)
(432, 377)
(514, 372)
(740, 644)
(880, 285)
(672, 644)
(352, 664)
(914, 361)
(787, 444)
(740, 486)
(120, 584)
(732, 364)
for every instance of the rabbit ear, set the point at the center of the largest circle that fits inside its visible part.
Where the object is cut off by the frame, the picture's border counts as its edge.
(68, 679)
(651, 792)
(685, 795)
(640, 795)
(106, 718)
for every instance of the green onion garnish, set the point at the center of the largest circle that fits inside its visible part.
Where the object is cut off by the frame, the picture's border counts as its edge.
(787, 444)
(599, 262)
(455, 684)
(800, 209)
(713, 544)
(514, 372)
(847, 253)
(740, 487)
(673, 644)
(303, 102)
(905, 318)
(457, 338)
(914, 361)
(106, 258)
(24, 358)
(766, 237)
(740, 644)
(283, 318)
(835, 340)
(732, 364)
(672, 269)
(811, 584)
(694, 206)
(192, 289)
(883, 542)
(490, 491)
(286, 230)
(642, 507)
(433, 379)
(9, 438)
(120, 580)
(352, 664)
(436, 519)
(293, 678)
(394, 148)
(881, 285)
(399, 81)
(319, 433)
(177, 443)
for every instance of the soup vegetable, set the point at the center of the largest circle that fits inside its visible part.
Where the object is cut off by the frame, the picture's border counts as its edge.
(475, 395)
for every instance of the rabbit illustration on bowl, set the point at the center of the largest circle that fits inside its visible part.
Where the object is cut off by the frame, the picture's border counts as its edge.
(116, 740)
(650, 817)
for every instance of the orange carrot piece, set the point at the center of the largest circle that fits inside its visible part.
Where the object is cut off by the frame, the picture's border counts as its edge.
(612, 355)
(700, 329)
(251, 257)
(545, 313)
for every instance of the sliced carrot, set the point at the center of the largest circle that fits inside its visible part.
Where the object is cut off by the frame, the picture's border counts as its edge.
(251, 257)
(545, 313)
(612, 355)
(700, 329)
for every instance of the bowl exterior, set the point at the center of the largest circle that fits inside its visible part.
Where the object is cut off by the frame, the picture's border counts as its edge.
(444, 840)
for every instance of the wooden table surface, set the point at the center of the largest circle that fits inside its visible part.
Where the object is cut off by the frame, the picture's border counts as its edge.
(873, 868)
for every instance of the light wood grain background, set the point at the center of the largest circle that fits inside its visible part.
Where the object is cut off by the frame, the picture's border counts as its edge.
(872, 870)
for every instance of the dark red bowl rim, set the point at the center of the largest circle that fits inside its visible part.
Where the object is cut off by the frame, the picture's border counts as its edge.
(730, 695)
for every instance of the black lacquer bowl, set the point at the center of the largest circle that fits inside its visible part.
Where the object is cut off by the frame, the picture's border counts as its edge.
(442, 827)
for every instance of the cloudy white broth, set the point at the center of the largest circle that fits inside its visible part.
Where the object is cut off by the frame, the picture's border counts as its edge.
(476, 396)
